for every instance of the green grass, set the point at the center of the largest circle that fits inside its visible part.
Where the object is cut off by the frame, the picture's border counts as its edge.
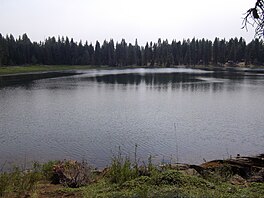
(19, 183)
(6, 70)
(188, 187)
(42, 68)
(125, 179)
(128, 179)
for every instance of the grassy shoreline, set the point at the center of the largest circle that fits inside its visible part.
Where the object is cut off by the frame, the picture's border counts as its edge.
(125, 178)
(42, 68)
(11, 70)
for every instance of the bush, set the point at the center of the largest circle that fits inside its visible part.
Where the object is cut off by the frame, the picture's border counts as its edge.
(72, 173)
(47, 170)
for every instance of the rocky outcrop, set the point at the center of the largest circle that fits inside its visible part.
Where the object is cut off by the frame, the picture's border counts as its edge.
(249, 168)
(238, 170)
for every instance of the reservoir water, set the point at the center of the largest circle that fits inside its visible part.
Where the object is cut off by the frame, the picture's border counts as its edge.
(173, 114)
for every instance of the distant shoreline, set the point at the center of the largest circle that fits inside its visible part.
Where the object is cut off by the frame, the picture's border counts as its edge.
(39, 69)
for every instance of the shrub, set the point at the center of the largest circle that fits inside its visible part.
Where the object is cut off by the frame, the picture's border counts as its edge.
(47, 170)
(72, 173)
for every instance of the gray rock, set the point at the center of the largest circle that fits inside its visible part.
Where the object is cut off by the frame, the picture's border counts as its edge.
(191, 171)
(237, 180)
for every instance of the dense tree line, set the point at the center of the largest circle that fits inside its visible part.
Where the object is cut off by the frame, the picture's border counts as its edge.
(65, 51)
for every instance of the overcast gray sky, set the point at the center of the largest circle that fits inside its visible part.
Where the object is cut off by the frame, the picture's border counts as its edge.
(146, 20)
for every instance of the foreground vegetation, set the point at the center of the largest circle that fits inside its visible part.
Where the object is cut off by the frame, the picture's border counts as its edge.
(124, 178)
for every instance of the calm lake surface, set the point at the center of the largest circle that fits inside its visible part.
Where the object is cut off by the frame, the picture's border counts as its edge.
(173, 113)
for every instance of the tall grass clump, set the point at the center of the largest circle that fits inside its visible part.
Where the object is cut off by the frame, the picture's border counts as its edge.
(4, 183)
(19, 182)
(122, 169)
